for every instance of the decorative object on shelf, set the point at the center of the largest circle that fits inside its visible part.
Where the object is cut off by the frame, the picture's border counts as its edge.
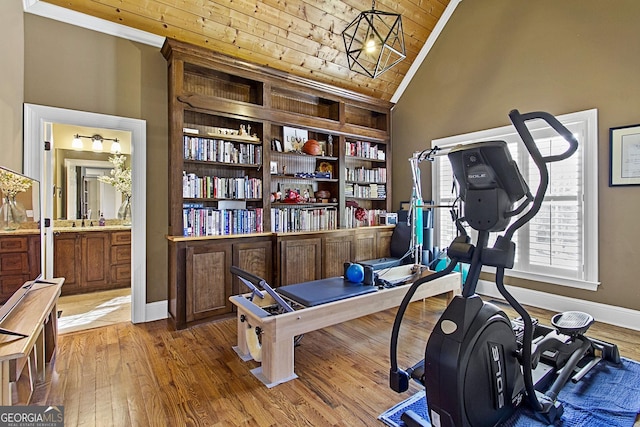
(273, 167)
(312, 147)
(323, 194)
(294, 139)
(276, 145)
(293, 197)
(330, 146)
(326, 168)
(624, 152)
(361, 214)
(120, 178)
(374, 42)
(12, 213)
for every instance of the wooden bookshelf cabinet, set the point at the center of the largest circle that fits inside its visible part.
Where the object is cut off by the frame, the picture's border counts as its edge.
(217, 101)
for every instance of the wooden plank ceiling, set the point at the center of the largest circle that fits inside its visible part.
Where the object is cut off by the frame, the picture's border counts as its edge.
(301, 37)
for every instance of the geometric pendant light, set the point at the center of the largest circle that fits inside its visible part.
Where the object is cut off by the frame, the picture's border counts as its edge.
(374, 42)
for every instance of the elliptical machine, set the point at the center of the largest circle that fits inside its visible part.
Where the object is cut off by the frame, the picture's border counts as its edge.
(479, 366)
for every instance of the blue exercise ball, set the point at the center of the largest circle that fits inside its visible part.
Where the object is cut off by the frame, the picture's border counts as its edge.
(355, 273)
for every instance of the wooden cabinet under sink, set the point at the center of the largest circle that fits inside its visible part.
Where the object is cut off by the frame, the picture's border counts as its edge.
(92, 260)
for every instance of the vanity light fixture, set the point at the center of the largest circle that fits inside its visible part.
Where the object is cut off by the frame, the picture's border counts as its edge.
(97, 143)
(374, 42)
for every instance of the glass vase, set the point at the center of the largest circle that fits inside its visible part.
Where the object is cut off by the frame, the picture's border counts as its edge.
(124, 213)
(12, 213)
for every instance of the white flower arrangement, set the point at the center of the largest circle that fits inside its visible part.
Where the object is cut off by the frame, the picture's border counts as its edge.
(120, 176)
(11, 184)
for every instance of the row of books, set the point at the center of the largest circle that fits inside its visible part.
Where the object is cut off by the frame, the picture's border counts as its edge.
(217, 187)
(218, 150)
(303, 219)
(364, 149)
(204, 221)
(367, 191)
(372, 217)
(366, 175)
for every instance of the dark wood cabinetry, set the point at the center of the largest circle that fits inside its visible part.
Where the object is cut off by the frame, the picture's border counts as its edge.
(92, 260)
(200, 282)
(121, 258)
(208, 280)
(300, 259)
(231, 168)
(19, 262)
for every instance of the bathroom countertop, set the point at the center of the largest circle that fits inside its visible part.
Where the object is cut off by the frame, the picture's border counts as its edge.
(92, 228)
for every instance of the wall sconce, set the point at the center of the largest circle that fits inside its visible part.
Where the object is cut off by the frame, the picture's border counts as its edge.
(374, 42)
(97, 143)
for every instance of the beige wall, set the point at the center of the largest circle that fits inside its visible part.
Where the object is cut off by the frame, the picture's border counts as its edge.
(11, 84)
(555, 56)
(71, 67)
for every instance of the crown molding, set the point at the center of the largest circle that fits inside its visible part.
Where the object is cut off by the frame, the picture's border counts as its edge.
(48, 10)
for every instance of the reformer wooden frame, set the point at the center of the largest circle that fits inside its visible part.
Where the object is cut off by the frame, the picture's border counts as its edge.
(279, 331)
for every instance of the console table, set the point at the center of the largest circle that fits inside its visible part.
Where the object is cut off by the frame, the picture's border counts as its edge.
(278, 331)
(23, 359)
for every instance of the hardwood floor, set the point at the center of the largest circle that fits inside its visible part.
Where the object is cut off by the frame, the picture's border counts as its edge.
(149, 375)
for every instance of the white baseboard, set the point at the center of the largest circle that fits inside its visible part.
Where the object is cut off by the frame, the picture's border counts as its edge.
(604, 313)
(156, 311)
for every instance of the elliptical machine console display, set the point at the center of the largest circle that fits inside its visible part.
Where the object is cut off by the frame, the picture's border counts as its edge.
(479, 366)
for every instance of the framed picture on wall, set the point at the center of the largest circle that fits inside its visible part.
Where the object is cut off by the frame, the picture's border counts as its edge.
(624, 152)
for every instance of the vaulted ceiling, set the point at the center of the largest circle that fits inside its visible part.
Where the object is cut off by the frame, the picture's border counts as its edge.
(301, 37)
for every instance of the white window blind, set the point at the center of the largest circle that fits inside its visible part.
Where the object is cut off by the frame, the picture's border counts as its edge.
(559, 245)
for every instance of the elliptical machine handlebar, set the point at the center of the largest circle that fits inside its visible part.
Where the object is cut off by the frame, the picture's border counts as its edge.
(519, 120)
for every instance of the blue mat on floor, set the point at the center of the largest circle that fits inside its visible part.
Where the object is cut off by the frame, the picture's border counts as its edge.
(609, 395)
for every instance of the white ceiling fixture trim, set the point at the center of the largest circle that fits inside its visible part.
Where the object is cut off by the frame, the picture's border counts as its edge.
(48, 10)
(431, 40)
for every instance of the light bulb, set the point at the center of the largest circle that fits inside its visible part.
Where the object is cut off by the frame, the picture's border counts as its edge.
(115, 147)
(97, 144)
(77, 143)
(370, 45)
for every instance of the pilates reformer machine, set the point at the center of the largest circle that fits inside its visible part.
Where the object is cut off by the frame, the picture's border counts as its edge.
(270, 321)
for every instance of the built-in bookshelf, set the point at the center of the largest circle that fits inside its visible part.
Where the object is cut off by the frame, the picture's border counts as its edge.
(366, 177)
(239, 187)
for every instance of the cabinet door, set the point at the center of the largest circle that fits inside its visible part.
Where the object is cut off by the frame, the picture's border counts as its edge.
(35, 260)
(256, 257)
(383, 243)
(66, 260)
(300, 260)
(337, 249)
(9, 284)
(365, 245)
(95, 259)
(208, 284)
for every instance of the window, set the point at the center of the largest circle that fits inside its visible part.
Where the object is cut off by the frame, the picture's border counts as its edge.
(559, 245)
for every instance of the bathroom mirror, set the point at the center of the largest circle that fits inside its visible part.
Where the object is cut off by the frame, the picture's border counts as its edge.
(78, 193)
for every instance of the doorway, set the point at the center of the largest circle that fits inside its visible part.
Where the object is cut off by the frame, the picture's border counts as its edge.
(38, 163)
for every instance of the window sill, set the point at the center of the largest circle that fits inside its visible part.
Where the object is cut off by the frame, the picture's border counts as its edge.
(543, 278)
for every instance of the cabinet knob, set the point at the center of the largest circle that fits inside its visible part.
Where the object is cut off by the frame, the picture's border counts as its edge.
(56, 233)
